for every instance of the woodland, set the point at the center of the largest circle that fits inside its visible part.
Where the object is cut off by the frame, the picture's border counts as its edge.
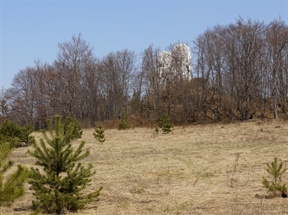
(237, 72)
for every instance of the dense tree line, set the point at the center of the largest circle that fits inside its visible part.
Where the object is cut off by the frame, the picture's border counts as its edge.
(246, 67)
(238, 71)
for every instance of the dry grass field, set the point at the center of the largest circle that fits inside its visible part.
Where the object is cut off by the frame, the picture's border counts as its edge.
(200, 169)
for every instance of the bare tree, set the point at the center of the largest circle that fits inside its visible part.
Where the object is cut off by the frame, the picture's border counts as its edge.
(116, 71)
(74, 58)
(276, 61)
(126, 61)
(151, 80)
(22, 97)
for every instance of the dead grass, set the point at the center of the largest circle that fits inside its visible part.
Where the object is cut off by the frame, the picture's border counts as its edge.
(203, 169)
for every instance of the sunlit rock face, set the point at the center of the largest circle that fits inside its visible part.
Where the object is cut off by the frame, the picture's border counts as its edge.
(174, 63)
(164, 59)
(164, 62)
(181, 58)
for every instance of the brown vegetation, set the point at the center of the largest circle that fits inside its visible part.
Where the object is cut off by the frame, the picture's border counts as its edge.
(201, 169)
(239, 72)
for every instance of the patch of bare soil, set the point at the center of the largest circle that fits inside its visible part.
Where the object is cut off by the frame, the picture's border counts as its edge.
(201, 169)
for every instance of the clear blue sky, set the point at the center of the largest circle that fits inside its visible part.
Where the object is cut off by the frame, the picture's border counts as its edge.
(31, 30)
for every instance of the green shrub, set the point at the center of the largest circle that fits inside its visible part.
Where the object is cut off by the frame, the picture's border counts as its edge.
(123, 124)
(77, 130)
(275, 185)
(99, 134)
(11, 131)
(165, 123)
(12, 183)
(157, 130)
(69, 122)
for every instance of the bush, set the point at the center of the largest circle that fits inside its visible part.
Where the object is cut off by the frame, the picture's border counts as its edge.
(77, 130)
(275, 185)
(165, 123)
(69, 121)
(123, 124)
(59, 185)
(99, 134)
(11, 131)
(11, 184)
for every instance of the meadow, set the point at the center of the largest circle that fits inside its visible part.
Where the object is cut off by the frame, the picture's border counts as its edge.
(196, 169)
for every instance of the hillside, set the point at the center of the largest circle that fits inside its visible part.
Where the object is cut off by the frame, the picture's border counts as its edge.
(201, 169)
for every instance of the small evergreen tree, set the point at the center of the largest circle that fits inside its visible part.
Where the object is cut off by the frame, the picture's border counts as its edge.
(10, 131)
(77, 130)
(165, 123)
(157, 130)
(11, 185)
(99, 134)
(59, 184)
(275, 186)
(123, 124)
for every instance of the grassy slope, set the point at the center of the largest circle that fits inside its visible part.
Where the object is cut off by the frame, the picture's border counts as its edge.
(205, 169)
